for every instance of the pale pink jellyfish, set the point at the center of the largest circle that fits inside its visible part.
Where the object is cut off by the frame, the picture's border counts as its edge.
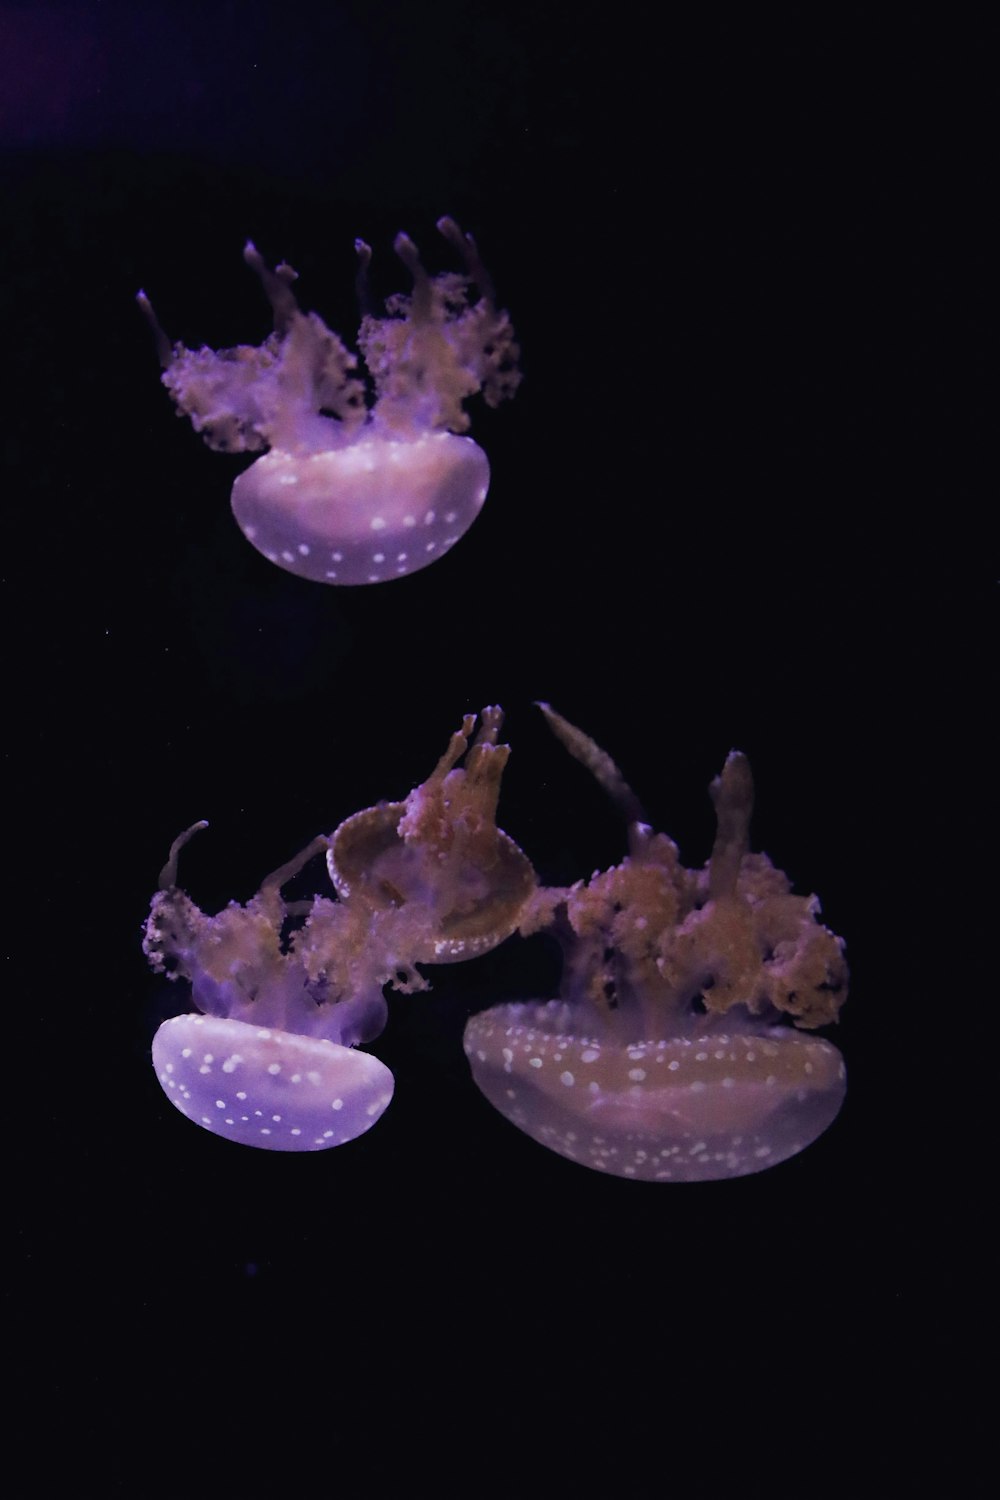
(348, 494)
(286, 992)
(664, 1058)
(271, 1060)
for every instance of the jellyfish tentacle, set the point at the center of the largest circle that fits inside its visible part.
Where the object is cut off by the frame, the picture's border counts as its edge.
(732, 796)
(286, 872)
(457, 746)
(490, 725)
(421, 304)
(168, 875)
(467, 248)
(362, 283)
(277, 286)
(163, 343)
(597, 761)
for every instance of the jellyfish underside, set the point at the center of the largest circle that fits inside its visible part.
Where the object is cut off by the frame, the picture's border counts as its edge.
(349, 495)
(664, 1058)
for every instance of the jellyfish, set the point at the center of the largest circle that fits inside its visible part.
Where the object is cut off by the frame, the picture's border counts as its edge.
(270, 1058)
(441, 851)
(346, 494)
(285, 993)
(668, 1056)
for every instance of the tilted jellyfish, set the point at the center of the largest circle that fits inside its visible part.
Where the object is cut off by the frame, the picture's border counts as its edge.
(348, 495)
(663, 1059)
(286, 991)
(442, 850)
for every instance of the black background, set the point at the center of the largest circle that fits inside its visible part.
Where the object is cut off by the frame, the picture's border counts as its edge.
(734, 503)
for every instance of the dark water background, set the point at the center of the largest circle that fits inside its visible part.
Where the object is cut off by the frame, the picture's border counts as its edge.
(734, 503)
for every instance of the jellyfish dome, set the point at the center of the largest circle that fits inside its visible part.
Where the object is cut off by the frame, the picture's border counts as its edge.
(267, 1088)
(347, 493)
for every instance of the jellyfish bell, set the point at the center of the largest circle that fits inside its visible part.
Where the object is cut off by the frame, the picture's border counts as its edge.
(711, 1105)
(664, 1058)
(348, 495)
(269, 1088)
(378, 509)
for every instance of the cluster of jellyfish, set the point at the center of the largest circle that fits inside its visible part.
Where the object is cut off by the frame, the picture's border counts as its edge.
(681, 1046)
(667, 1056)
